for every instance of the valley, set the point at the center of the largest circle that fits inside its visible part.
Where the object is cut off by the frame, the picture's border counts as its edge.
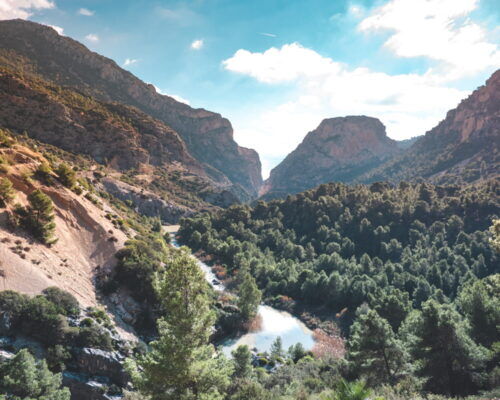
(143, 257)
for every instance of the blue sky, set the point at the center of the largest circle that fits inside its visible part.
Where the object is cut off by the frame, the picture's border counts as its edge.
(276, 68)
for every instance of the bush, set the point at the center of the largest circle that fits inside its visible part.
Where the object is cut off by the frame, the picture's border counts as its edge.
(44, 173)
(38, 217)
(94, 336)
(65, 302)
(66, 175)
(6, 192)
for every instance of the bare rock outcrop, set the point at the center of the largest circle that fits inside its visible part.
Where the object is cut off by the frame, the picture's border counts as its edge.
(339, 149)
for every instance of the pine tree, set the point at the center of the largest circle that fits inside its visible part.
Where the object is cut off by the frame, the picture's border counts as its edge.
(24, 377)
(242, 358)
(66, 175)
(374, 351)
(249, 296)
(180, 364)
(39, 216)
(277, 348)
(448, 358)
(6, 192)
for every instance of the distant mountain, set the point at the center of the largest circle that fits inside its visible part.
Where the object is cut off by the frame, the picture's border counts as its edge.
(464, 147)
(339, 149)
(37, 49)
(406, 143)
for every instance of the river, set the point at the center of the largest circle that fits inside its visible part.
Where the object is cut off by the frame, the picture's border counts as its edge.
(274, 322)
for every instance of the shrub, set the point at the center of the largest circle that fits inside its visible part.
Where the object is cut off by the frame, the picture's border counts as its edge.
(39, 216)
(6, 192)
(65, 302)
(44, 173)
(66, 175)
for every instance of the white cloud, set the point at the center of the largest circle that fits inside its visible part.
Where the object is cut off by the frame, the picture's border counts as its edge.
(174, 96)
(440, 30)
(408, 104)
(92, 37)
(197, 44)
(129, 61)
(10, 9)
(86, 12)
(58, 29)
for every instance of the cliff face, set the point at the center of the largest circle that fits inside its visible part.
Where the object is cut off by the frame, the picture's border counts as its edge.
(339, 149)
(464, 147)
(208, 136)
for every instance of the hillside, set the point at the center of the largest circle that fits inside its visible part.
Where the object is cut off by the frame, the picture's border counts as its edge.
(138, 148)
(464, 147)
(339, 149)
(38, 49)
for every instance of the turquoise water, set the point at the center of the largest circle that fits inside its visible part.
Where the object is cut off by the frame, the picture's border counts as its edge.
(274, 323)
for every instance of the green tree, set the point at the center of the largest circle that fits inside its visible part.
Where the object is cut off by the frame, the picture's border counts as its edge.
(448, 358)
(242, 359)
(374, 351)
(480, 302)
(180, 364)
(349, 391)
(495, 231)
(39, 216)
(44, 173)
(277, 348)
(6, 192)
(249, 296)
(23, 377)
(66, 175)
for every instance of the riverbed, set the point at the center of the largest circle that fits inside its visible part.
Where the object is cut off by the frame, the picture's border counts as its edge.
(274, 323)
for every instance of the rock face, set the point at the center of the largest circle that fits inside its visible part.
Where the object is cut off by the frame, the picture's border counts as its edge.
(120, 136)
(95, 362)
(464, 147)
(339, 149)
(208, 136)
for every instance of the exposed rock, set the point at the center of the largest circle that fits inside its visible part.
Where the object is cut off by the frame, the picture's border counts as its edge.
(462, 147)
(85, 388)
(208, 136)
(146, 203)
(95, 362)
(340, 149)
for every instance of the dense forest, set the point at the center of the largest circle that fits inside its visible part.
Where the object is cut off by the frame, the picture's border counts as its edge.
(408, 273)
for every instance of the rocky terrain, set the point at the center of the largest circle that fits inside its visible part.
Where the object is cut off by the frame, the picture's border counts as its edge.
(38, 49)
(464, 147)
(339, 149)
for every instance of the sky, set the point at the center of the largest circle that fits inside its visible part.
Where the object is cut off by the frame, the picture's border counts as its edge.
(277, 68)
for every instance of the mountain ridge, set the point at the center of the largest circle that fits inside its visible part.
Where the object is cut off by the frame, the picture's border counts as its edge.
(208, 136)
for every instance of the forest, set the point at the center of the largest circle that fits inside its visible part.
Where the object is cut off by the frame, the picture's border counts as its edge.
(408, 273)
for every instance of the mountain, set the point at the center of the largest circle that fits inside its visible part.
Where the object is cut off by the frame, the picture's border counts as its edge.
(339, 149)
(464, 147)
(40, 50)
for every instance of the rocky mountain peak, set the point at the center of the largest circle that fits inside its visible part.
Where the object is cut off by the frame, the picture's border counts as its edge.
(209, 137)
(339, 149)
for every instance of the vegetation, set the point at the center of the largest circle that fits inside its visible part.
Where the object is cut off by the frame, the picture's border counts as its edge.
(409, 273)
(6, 192)
(180, 364)
(38, 217)
(66, 175)
(23, 377)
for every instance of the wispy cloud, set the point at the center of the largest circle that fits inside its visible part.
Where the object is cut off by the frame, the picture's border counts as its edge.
(92, 37)
(268, 34)
(58, 29)
(197, 44)
(129, 61)
(10, 9)
(86, 12)
(180, 99)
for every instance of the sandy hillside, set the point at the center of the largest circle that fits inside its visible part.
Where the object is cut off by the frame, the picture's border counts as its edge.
(86, 244)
